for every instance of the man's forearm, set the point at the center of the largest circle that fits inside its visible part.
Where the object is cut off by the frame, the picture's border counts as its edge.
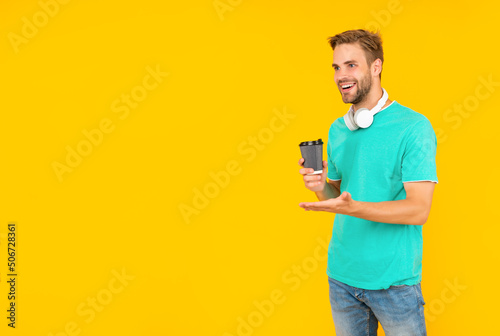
(395, 212)
(413, 210)
(328, 192)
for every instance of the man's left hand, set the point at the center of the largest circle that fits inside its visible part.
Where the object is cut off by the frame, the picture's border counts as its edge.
(342, 204)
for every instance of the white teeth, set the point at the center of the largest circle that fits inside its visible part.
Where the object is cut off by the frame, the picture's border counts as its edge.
(346, 86)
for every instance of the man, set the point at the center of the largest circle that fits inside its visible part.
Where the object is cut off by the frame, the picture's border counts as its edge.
(380, 184)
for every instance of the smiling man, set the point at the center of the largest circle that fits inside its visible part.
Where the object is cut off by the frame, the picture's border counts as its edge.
(381, 174)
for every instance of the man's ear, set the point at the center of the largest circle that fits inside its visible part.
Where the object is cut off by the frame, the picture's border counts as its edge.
(376, 67)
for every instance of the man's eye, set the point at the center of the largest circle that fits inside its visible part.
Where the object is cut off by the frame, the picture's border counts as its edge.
(336, 68)
(352, 65)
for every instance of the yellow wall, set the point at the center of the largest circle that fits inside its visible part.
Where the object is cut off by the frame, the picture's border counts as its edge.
(117, 117)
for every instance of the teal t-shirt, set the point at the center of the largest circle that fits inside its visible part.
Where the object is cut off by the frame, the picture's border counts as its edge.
(373, 163)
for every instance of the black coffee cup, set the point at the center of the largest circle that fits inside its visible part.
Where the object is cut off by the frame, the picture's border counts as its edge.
(312, 152)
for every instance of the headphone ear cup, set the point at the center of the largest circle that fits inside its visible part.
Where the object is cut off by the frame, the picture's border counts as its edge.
(349, 121)
(363, 118)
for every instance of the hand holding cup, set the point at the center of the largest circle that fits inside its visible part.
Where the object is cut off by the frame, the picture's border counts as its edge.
(313, 182)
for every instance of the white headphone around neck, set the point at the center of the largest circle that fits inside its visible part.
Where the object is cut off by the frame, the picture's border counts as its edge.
(363, 117)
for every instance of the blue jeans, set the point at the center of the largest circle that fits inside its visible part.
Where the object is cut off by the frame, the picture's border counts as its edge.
(356, 311)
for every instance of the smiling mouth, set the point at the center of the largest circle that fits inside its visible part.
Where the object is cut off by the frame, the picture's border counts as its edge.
(347, 87)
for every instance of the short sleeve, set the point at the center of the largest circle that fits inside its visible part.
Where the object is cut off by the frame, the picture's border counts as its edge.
(419, 157)
(332, 173)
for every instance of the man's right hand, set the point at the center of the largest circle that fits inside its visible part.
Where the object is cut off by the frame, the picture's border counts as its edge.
(313, 182)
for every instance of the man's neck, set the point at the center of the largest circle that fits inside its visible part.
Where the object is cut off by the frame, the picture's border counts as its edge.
(372, 99)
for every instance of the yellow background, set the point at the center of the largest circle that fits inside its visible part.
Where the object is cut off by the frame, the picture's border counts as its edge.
(229, 73)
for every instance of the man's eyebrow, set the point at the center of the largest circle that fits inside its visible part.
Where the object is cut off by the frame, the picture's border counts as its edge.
(346, 62)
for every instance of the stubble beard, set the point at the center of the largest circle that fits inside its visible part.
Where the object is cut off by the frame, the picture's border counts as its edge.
(363, 88)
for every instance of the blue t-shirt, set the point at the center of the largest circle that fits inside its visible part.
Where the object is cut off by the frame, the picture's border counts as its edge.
(373, 163)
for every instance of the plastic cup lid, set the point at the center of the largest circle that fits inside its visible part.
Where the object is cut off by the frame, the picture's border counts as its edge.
(311, 143)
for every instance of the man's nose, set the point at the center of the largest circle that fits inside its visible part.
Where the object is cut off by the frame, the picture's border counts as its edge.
(341, 74)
